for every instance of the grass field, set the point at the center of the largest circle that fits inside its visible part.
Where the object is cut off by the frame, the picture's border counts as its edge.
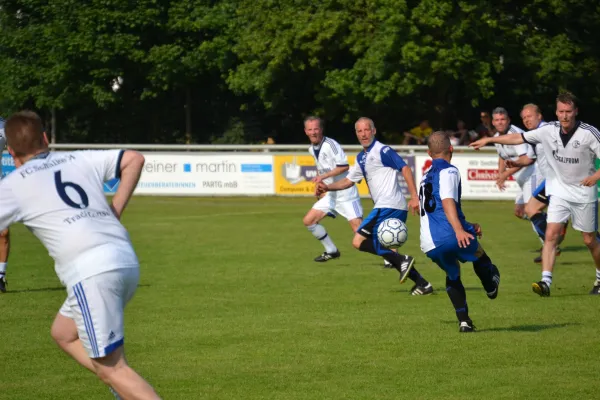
(231, 306)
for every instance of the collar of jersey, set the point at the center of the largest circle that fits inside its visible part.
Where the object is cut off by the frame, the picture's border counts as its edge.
(318, 146)
(572, 131)
(370, 146)
(540, 124)
(40, 156)
(439, 161)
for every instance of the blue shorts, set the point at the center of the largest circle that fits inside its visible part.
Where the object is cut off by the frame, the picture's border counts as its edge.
(370, 224)
(448, 255)
(540, 193)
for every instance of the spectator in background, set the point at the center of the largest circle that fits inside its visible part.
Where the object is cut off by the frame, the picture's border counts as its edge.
(485, 129)
(418, 134)
(463, 136)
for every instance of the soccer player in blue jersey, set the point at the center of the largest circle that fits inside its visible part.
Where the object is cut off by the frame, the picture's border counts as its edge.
(446, 236)
(379, 165)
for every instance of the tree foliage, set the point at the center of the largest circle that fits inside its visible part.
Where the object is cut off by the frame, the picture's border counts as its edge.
(144, 71)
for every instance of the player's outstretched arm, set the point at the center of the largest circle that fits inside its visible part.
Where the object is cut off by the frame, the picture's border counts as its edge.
(131, 166)
(463, 237)
(504, 139)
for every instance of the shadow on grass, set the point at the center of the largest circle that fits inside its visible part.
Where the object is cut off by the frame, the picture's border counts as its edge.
(529, 328)
(47, 289)
(570, 249)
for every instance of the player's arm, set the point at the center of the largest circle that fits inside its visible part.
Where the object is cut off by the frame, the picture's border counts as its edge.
(338, 170)
(449, 181)
(503, 139)
(595, 147)
(130, 169)
(335, 186)
(391, 159)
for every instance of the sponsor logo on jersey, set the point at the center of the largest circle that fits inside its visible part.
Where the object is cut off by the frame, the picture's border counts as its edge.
(564, 160)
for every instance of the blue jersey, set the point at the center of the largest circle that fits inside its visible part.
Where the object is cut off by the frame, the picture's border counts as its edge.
(441, 181)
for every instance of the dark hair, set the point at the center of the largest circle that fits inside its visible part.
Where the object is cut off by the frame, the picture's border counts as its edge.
(24, 133)
(567, 98)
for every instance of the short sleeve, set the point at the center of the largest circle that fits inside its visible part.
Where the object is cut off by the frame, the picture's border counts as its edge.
(106, 162)
(355, 173)
(338, 154)
(449, 181)
(9, 207)
(391, 159)
(533, 137)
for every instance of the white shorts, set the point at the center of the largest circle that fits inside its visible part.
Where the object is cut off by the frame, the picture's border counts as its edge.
(526, 190)
(584, 216)
(96, 304)
(348, 209)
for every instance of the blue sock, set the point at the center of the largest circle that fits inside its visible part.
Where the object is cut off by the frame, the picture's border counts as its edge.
(539, 224)
(484, 269)
(458, 297)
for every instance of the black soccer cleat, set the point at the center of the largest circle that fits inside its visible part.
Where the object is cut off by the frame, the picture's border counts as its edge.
(541, 288)
(421, 290)
(596, 289)
(405, 267)
(387, 264)
(328, 256)
(466, 326)
(496, 279)
(2, 284)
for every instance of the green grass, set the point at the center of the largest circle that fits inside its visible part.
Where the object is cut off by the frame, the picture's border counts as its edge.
(231, 306)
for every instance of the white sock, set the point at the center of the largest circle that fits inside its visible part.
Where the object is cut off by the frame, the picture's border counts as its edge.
(547, 277)
(319, 232)
(2, 268)
(114, 393)
(597, 275)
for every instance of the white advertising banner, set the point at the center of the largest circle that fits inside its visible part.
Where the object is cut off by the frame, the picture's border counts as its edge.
(478, 172)
(204, 174)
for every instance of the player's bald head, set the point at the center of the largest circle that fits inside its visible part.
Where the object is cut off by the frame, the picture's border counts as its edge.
(439, 144)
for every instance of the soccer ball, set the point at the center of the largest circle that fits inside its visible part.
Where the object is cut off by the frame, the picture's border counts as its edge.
(392, 233)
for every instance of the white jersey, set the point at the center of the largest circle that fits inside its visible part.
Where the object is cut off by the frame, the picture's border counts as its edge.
(60, 198)
(541, 163)
(329, 155)
(513, 152)
(2, 143)
(570, 157)
(379, 166)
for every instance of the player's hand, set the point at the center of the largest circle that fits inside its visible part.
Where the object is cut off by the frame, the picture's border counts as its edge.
(589, 181)
(479, 143)
(413, 205)
(463, 238)
(478, 230)
(512, 164)
(320, 189)
(317, 179)
(500, 183)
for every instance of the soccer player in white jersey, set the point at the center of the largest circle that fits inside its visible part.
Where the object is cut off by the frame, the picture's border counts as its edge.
(379, 165)
(571, 149)
(525, 153)
(4, 235)
(60, 198)
(534, 209)
(446, 236)
(332, 166)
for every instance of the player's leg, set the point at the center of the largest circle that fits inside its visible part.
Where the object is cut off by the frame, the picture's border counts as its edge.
(558, 213)
(4, 250)
(484, 268)
(64, 333)
(446, 259)
(534, 210)
(585, 220)
(311, 221)
(98, 311)
(365, 240)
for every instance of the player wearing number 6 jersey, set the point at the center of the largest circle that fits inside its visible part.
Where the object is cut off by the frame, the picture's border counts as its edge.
(60, 198)
(446, 236)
